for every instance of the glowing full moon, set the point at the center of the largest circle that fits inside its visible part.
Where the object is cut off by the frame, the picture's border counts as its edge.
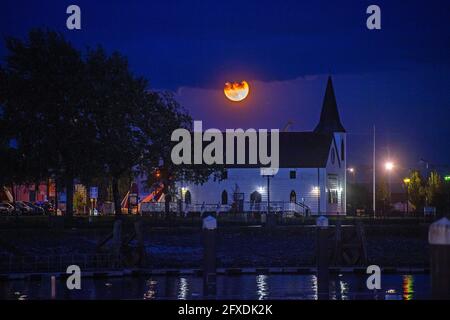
(236, 91)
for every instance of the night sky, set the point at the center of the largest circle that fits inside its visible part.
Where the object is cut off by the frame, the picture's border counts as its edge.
(397, 78)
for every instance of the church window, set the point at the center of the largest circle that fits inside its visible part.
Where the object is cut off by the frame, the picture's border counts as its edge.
(332, 187)
(224, 197)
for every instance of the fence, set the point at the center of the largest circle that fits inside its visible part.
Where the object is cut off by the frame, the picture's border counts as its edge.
(279, 207)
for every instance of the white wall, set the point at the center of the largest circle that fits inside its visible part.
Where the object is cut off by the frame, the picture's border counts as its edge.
(249, 180)
(338, 168)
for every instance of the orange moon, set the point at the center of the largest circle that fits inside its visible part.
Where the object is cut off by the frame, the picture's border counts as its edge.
(236, 91)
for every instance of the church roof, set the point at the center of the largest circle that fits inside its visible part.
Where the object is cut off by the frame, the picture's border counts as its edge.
(329, 118)
(296, 150)
(304, 149)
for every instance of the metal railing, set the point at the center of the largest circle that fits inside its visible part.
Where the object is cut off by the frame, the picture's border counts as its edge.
(279, 207)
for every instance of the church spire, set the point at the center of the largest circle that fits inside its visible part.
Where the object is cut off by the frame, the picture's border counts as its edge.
(329, 118)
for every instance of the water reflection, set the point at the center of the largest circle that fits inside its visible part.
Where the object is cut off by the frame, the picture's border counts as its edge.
(314, 288)
(255, 287)
(150, 294)
(408, 287)
(344, 289)
(262, 290)
(183, 289)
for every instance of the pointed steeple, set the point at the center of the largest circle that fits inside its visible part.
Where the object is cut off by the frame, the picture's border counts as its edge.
(329, 118)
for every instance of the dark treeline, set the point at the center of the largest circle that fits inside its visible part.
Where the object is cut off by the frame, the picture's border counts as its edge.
(69, 116)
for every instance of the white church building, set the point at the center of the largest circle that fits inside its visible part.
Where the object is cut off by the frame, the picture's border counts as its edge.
(311, 179)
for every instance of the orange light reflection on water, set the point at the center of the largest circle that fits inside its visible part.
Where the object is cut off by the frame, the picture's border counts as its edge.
(408, 287)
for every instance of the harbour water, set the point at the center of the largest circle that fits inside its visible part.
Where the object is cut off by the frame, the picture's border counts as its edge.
(255, 287)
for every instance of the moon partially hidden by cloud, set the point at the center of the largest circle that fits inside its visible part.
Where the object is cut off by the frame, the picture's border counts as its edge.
(236, 91)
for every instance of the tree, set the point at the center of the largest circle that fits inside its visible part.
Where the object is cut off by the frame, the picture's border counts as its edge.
(434, 191)
(383, 195)
(416, 191)
(162, 115)
(115, 100)
(79, 201)
(446, 197)
(358, 197)
(43, 98)
(87, 118)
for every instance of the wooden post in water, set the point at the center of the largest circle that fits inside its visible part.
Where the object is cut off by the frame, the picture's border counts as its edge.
(138, 227)
(117, 238)
(323, 289)
(209, 256)
(53, 286)
(439, 240)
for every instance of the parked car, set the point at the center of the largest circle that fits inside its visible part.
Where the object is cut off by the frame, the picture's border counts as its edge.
(36, 209)
(6, 208)
(48, 207)
(23, 208)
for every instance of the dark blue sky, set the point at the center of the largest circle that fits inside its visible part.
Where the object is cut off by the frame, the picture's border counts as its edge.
(396, 78)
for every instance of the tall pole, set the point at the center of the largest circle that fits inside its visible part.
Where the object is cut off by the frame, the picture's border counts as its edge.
(268, 195)
(374, 173)
(318, 191)
(407, 200)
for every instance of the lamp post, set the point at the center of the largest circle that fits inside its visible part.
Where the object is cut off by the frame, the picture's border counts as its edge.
(268, 173)
(352, 172)
(389, 166)
(447, 181)
(406, 182)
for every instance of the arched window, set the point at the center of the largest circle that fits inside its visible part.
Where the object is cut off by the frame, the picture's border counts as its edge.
(255, 197)
(187, 197)
(224, 197)
(293, 196)
(342, 150)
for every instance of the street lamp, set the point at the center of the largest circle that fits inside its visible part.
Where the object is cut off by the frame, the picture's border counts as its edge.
(406, 181)
(352, 171)
(389, 166)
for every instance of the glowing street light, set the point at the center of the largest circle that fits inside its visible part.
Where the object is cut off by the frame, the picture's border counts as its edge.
(407, 182)
(352, 171)
(389, 166)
